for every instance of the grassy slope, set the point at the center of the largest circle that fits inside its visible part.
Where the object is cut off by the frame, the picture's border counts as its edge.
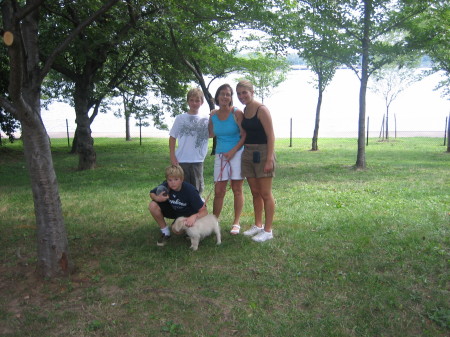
(356, 253)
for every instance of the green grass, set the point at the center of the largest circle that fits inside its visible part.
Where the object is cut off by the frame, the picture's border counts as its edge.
(356, 253)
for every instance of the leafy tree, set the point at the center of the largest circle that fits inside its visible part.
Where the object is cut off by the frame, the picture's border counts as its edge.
(304, 31)
(26, 74)
(324, 68)
(389, 82)
(8, 124)
(109, 51)
(265, 71)
(430, 33)
(361, 29)
(202, 38)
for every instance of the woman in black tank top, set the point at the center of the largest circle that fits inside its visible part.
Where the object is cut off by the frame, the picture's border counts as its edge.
(258, 160)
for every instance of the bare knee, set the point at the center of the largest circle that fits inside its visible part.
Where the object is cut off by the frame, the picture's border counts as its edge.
(220, 191)
(153, 207)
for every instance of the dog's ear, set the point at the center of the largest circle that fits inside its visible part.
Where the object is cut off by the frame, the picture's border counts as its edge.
(176, 225)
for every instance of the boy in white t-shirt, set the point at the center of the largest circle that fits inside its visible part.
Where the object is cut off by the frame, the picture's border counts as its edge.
(191, 131)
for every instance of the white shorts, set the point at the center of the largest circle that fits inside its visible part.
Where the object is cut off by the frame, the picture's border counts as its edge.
(228, 170)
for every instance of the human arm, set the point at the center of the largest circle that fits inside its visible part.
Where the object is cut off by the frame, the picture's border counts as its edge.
(266, 121)
(173, 157)
(210, 127)
(190, 221)
(159, 198)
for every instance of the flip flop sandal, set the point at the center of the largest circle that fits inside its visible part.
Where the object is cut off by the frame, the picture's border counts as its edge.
(235, 229)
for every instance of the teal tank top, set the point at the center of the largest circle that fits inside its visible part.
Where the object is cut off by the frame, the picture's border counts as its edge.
(227, 133)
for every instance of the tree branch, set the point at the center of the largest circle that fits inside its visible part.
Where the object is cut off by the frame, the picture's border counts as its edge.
(29, 8)
(7, 105)
(75, 32)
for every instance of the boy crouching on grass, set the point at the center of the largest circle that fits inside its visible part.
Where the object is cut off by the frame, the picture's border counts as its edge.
(175, 198)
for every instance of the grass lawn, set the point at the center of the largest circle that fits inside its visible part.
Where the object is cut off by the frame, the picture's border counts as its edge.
(355, 253)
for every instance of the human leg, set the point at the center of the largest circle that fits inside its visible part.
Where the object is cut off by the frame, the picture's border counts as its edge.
(236, 186)
(219, 195)
(197, 172)
(159, 211)
(258, 203)
(156, 212)
(193, 174)
(265, 190)
(265, 185)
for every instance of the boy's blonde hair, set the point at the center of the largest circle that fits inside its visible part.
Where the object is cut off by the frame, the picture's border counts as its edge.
(174, 171)
(195, 92)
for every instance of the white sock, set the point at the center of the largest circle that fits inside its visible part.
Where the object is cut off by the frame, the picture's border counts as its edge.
(165, 231)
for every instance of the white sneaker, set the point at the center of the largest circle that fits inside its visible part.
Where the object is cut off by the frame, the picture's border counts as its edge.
(253, 231)
(263, 236)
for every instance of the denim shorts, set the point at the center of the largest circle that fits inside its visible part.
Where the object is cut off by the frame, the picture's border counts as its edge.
(249, 168)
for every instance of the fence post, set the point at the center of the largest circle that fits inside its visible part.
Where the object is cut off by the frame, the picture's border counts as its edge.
(367, 132)
(395, 125)
(67, 131)
(140, 131)
(445, 131)
(290, 136)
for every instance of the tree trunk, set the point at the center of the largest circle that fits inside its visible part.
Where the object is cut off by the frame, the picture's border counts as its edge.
(387, 123)
(127, 127)
(85, 143)
(361, 156)
(25, 81)
(53, 251)
(315, 146)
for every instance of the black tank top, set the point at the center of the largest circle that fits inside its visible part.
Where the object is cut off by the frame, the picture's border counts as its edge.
(254, 129)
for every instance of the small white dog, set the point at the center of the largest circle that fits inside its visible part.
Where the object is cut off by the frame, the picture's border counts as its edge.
(202, 228)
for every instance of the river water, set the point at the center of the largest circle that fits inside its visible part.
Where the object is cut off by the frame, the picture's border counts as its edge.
(419, 110)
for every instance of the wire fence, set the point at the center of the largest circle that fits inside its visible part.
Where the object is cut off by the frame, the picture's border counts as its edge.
(63, 129)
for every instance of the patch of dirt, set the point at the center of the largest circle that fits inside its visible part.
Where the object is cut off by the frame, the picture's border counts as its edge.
(22, 289)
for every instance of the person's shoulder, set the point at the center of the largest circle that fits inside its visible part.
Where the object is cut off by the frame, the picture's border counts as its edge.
(202, 116)
(180, 117)
(263, 110)
(238, 112)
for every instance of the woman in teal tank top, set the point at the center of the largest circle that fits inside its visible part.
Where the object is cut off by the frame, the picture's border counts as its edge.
(225, 125)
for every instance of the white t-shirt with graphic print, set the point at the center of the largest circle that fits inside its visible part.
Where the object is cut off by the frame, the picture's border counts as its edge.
(191, 132)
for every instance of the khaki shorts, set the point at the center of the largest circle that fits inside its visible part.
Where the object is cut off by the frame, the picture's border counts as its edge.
(255, 170)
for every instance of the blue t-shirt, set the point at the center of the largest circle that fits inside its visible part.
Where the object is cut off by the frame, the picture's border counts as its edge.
(227, 133)
(184, 202)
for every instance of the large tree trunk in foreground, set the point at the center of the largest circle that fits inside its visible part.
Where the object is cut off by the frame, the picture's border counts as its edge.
(53, 254)
(25, 88)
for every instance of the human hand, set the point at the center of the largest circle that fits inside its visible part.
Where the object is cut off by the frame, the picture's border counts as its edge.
(229, 155)
(190, 221)
(269, 166)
